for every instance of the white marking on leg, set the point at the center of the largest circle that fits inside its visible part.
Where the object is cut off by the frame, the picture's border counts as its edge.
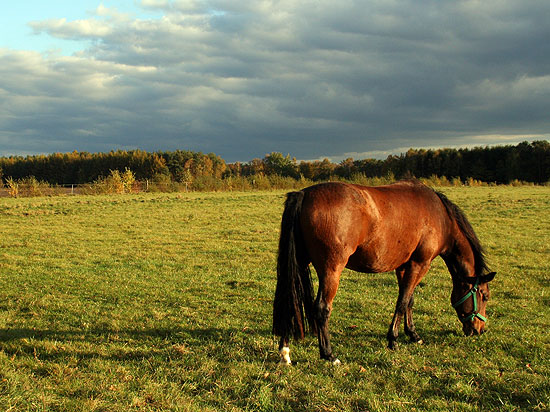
(420, 341)
(285, 355)
(336, 362)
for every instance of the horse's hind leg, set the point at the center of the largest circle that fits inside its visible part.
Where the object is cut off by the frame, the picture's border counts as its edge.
(284, 350)
(328, 285)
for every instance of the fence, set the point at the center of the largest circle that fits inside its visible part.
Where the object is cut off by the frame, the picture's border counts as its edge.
(42, 189)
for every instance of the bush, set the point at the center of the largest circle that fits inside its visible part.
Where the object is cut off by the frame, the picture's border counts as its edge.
(28, 187)
(163, 183)
(13, 187)
(474, 183)
(115, 183)
(436, 181)
(237, 183)
(206, 184)
(128, 181)
(456, 181)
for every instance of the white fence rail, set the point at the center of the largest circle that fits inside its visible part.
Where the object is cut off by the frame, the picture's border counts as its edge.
(23, 189)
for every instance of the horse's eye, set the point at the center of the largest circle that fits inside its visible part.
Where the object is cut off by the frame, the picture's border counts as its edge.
(484, 296)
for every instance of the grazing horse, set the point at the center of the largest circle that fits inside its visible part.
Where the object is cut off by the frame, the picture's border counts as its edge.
(401, 227)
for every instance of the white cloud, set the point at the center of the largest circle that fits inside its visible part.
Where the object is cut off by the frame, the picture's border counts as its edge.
(90, 28)
(155, 4)
(112, 13)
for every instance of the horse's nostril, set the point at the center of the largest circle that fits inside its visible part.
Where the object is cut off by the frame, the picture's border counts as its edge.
(468, 331)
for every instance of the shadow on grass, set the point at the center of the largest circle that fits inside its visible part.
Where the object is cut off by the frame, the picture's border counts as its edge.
(131, 344)
(166, 343)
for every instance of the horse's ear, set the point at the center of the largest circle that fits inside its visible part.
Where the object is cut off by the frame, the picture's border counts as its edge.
(487, 278)
(479, 279)
(470, 280)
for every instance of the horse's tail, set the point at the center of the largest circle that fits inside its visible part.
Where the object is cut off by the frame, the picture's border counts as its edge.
(294, 292)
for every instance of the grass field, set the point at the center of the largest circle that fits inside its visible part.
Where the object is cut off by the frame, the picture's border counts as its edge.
(162, 302)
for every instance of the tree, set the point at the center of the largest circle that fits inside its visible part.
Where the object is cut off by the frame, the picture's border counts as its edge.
(346, 168)
(277, 164)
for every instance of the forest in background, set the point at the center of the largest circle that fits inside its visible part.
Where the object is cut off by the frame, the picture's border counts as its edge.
(525, 162)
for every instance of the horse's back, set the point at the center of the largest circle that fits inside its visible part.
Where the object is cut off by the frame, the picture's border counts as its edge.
(375, 229)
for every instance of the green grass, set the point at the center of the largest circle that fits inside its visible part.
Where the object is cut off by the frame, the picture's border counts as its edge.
(162, 302)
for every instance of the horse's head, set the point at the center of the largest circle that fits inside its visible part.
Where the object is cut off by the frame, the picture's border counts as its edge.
(469, 298)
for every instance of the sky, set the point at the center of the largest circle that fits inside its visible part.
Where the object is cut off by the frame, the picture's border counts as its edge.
(243, 78)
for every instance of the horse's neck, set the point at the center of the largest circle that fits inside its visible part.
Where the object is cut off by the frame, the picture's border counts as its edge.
(460, 259)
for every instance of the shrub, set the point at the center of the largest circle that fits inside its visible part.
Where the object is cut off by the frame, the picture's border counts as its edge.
(13, 187)
(163, 183)
(206, 184)
(436, 181)
(28, 187)
(456, 181)
(115, 183)
(474, 183)
(128, 181)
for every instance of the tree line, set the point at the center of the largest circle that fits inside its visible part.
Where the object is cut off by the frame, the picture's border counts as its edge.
(527, 162)
(84, 167)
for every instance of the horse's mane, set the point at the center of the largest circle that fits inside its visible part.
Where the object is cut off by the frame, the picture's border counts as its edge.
(458, 215)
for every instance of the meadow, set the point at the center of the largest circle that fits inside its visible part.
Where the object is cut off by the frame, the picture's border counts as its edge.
(162, 302)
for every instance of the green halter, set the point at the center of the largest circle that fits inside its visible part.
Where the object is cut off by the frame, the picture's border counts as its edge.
(473, 294)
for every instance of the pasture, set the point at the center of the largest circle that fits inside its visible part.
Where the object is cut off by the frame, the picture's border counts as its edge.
(163, 302)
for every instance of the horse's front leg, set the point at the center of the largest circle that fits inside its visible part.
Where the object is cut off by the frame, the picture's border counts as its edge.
(398, 315)
(410, 329)
(408, 276)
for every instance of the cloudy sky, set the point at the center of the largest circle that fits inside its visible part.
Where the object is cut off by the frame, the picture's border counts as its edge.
(242, 78)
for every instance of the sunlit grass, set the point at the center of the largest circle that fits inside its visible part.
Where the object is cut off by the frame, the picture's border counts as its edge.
(163, 302)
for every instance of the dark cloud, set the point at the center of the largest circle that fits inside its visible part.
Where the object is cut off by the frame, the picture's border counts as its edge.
(246, 78)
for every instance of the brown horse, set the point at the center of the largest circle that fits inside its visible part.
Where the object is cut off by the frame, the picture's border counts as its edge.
(401, 227)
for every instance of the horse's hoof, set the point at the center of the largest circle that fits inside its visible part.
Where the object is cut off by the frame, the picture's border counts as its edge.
(285, 356)
(392, 345)
(420, 341)
(336, 362)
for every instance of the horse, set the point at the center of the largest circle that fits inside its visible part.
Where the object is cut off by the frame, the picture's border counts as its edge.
(401, 226)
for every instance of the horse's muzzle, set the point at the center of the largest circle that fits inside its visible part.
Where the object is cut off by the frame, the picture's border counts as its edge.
(468, 330)
(473, 328)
